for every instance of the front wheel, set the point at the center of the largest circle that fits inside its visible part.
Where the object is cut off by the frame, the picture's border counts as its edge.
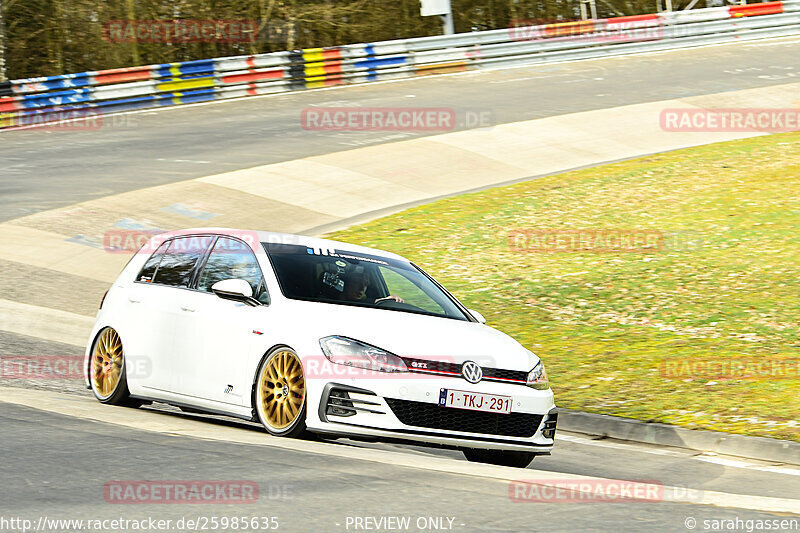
(499, 457)
(107, 367)
(280, 394)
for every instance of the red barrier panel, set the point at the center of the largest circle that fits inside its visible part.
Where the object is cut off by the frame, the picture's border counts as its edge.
(753, 10)
(632, 18)
(121, 75)
(565, 29)
(332, 67)
(9, 104)
(253, 76)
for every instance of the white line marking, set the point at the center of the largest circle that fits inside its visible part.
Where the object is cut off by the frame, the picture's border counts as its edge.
(183, 161)
(735, 463)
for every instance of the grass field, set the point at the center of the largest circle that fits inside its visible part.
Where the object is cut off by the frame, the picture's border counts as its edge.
(699, 329)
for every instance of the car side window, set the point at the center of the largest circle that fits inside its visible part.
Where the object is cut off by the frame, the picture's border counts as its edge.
(179, 261)
(149, 268)
(232, 259)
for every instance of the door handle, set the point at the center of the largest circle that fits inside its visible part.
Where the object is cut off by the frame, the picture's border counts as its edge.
(133, 300)
(188, 309)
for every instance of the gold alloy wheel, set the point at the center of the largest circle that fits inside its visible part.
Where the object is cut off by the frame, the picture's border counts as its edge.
(107, 361)
(282, 389)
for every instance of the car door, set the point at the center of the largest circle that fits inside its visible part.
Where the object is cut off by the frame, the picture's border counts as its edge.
(225, 332)
(174, 275)
(148, 326)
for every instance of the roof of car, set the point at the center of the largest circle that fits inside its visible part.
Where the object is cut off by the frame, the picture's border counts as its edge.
(287, 238)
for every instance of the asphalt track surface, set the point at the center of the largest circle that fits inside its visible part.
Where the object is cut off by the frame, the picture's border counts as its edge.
(48, 169)
(56, 465)
(68, 461)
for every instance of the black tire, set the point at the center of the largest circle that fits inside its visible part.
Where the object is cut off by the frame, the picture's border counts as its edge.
(108, 357)
(275, 383)
(499, 457)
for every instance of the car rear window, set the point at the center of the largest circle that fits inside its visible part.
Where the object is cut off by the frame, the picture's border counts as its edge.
(179, 261)
(149, 268)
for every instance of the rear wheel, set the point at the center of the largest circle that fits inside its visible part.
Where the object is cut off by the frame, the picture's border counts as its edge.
(107, 367)
(281, 393)
(499, 457)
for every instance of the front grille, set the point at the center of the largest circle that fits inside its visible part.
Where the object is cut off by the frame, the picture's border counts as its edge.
(511, 375)
(427, 366)
(431, 415)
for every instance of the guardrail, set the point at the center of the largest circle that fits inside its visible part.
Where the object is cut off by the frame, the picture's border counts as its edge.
(56, 98)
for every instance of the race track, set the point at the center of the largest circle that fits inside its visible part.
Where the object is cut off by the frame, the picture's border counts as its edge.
(185, 166)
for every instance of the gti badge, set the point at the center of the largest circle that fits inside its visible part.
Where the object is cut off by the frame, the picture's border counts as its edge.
(471, 371)
(229, 389)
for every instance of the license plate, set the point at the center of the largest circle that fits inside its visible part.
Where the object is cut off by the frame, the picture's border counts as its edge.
(475, 401)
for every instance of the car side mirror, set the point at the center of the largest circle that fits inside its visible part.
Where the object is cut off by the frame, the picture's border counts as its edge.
(477, 316)
(237, 290)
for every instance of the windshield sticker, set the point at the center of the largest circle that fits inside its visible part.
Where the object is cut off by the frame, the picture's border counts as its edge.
(332, 279)
(344, 255)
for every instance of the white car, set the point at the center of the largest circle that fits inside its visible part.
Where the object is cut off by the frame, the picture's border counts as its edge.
(304, 334)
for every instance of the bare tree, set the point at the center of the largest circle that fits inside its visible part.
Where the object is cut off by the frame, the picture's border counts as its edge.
(47, 37)
(2, 44)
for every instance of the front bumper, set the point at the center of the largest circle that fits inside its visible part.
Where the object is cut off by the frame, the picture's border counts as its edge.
(405, 407)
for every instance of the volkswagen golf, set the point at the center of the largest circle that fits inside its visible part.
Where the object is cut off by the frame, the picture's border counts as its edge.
(310, 335)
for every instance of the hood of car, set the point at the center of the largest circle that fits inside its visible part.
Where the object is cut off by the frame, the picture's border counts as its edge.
(417, 336)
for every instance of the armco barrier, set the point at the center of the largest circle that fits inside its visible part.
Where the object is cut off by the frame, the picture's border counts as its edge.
(38, 100)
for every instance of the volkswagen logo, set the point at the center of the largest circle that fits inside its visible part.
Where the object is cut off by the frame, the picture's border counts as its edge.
(471, 371)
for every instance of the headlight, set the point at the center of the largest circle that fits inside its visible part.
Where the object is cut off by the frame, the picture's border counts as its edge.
(537, 378)
(350, 352)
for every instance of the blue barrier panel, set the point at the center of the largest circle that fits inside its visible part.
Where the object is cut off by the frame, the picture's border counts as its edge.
(56, 99)
(372, 64)
(187, 69)
(187, 97)
(64, 81)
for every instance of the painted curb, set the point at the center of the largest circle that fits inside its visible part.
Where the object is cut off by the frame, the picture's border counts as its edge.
(761, 448)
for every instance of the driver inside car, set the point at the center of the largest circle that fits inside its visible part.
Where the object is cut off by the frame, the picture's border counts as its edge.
(355, 289)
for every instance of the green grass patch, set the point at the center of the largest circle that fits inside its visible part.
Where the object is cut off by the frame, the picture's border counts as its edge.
(719, 292)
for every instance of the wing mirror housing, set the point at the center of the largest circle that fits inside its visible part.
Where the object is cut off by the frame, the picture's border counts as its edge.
(477, 316)
(237, 290)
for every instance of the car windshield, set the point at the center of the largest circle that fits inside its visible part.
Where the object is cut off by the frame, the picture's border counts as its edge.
(350, 278)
